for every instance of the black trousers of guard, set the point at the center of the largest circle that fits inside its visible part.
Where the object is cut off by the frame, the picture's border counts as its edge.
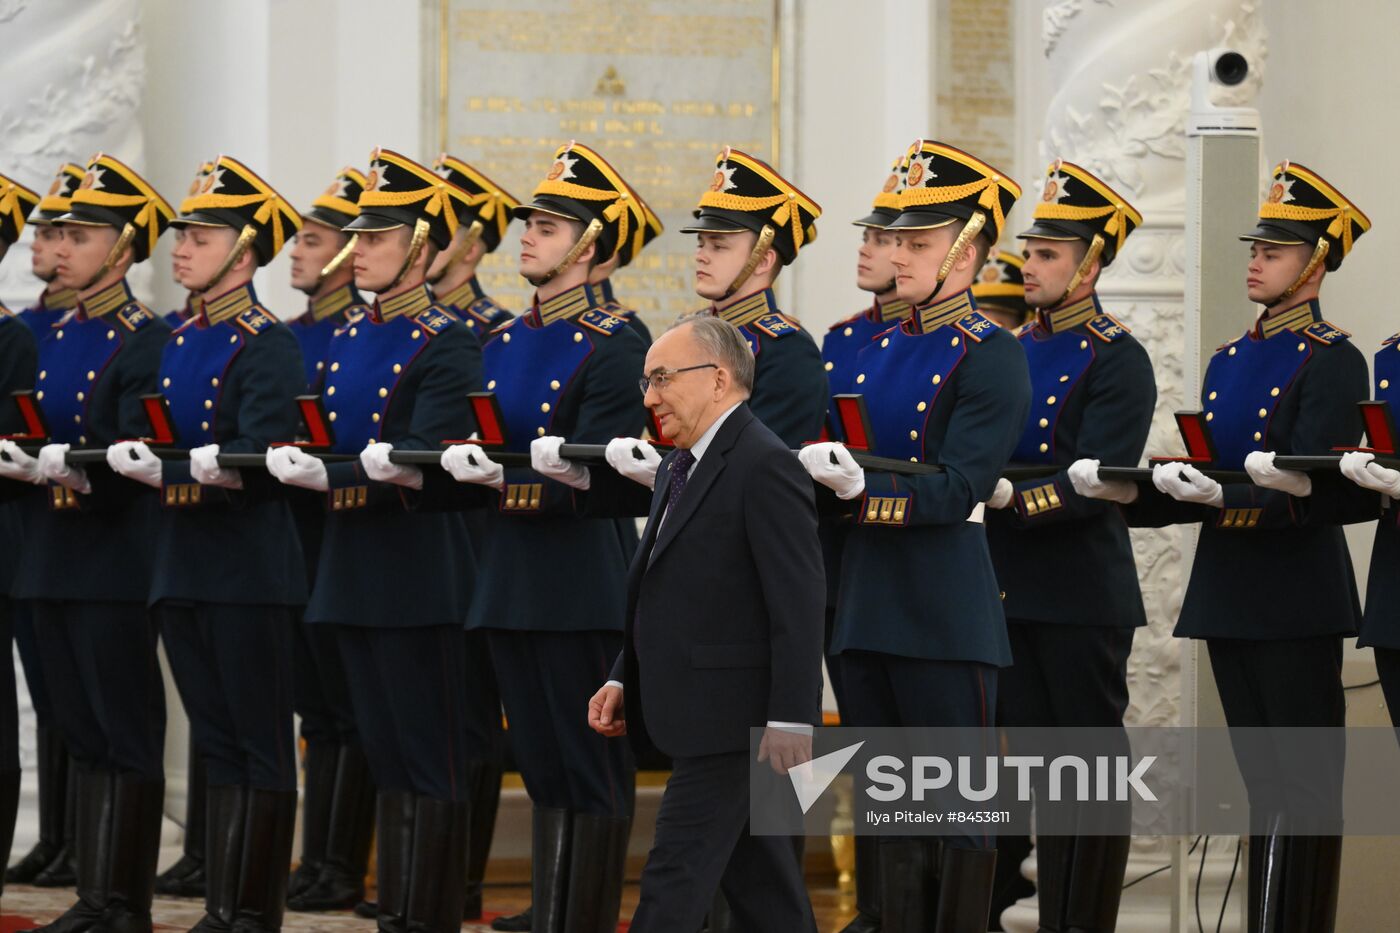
(109, 697)
(546, 681)
(233, 667)
(409, 694)
(320, 688)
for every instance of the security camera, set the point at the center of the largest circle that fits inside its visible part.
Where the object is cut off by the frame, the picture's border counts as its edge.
(1227, 67)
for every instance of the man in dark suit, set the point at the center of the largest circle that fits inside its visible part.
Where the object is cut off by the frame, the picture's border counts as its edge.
(724, 602)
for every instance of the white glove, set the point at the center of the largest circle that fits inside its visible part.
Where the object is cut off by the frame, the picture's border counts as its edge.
(51, 466)
(1260, 467)
(134, 460)
(375, 459)
(844, 477)
(622, 457)
(205, 469)
(468, 463)
(1357, 467)
(1185, 483)
(18, 465)
(1001, 496)
(296, 467)
(544, 457)
(1084, 477)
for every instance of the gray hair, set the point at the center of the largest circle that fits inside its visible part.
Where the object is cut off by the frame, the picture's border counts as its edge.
(722, 341)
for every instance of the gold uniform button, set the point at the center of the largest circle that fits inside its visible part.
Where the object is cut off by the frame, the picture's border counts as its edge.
(335, 367)
(80, 396)
(1274, 391)
(374, 417)
(1064, 378)
(1232, 351)
(214, 382)
(860, 379)
(165, 382)
(554, 384)
(1211, 396)
(505, 338)
(1045, 422)
(208, 404)
(415, 335)
(539, 431)
(354, 331)
(204, 425)
(1210, 416)
(953, 342)
(91, 375)
(921, 406)
(331, 416)
(43, 374)
(39, 395)
(937, 378)
(1258, 436)
(1050, 400)
(233, 338)
(383, 392)
(886, 342)
(578, 338)
(913, 435)
(544, 407)
(398, 368)
(320, 366)
(491, 384)
(1385, 383)
(1263, 413)
(1302, 347)
(82, 438)
(77, 419)
(1083, 344)
(828, 367)
(58, 334)
(1044, 448)
(330, 390)
(179, 341)
(847, 332)
(111, 334)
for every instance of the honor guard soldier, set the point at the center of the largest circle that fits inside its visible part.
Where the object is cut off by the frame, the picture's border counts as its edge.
(1092, 396)
(564, 369)
(50, 862)
(1001, 292)
(483, 222)
(230, 376)
(398, 379)
(875, 274)
(18, 358)
(1291, 384)
(338, 792)
(947, 386)
(94, 633)
(644, 227)
(482, 225)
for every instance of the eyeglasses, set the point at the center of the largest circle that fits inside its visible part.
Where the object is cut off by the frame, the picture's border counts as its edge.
(660, 379)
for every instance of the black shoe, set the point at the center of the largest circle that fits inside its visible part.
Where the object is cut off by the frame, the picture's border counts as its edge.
(186, 878)
(439, 873)
(95, 808)
(394, 813)
(549, 868)
(366, 909)
(136, 828)
(52, 756)
(318, 774)
(62, 870)
(485, 803)
(341, 882)
(267, 854)
(598, 858)
(522, 922)
(226, 816)
(965, 890)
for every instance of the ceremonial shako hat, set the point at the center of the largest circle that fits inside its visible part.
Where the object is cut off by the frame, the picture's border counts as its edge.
(943, 184)
(487, 203)
(1000, 283)
(112, 195)
(644, 227)
(746, 194)
(232, 195)
(339, 203)
(582, 186)
(886, 206)
(56, 202)
(16, 201)
(399, 193)
(1302, 208)
(1075, 205)
(204, 169)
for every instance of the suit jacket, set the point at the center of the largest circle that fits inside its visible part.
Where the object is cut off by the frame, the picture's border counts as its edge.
(724, 602)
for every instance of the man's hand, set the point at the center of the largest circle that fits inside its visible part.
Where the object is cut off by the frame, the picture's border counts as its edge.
(296, 467)
(134, 460)
(1357, 466)
(833, 466)
(205, 469)
(1260, 467)
(1084, 477)
(1185, 483)
(605, 713)
(53, 467)
(468, 463)
(17, 465)
(621, 455)
(783, 749)
(375, 460)
(545, 459)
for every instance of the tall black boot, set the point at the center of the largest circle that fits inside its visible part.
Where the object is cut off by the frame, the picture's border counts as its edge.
(1314, 866)
(1267, 863)
(598, 858)
(549, 868)
(485, 803)
(1096, 883)
(186, 877)
(867, 918)
(438, 878)
(394, 813)
(907, 878)
(96, 802)
(227, 812)
(319, 773)
(62, 870)
(341, 883)
(267, 856)
(9, 810)
(1052, 873)
(136, 828)
(965, 889)
(52, 755)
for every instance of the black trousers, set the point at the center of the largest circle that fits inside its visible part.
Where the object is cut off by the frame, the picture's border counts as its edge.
(702, 843)
(407, 687)
(1293, 682)
(320, 689)
(888, 690)
(108, 697)
(9, 702)
(546, 681)
(1064, 675)
(233, 667)
(27, 643)
(484, 726)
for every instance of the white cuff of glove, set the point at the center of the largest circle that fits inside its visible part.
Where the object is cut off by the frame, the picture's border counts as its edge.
(545, 459)
(17, 465)
(1358, 466)
(1001, 496)
(1084, 477)
(52, 467)
(205, 469)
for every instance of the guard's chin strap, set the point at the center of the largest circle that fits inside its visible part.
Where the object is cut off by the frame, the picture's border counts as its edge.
(974, 226)
(760, 248)
(1319, 254)
(585, 240)
(457, 252)
(246, 236)
(415, 247)
(113, 257)
(1090, 257)
(339, 260)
